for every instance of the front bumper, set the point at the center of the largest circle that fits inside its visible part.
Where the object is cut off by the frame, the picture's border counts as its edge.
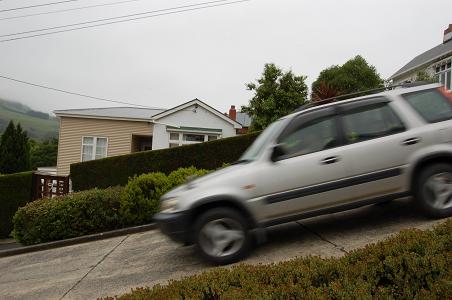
(175, 225)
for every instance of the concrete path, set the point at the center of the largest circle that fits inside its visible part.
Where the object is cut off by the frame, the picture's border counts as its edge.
(114, 266)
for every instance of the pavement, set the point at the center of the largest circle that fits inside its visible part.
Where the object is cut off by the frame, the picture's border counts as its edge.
(114, 266)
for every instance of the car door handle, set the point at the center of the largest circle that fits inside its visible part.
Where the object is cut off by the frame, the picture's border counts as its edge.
(329, 160)
(411, 141)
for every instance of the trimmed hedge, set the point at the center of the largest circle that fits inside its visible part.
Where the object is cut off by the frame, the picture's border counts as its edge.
(68, 216)
(414, 264)
(116, 170)
(15, 191)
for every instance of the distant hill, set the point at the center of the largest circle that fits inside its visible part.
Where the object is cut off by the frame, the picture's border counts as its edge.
(39, 125)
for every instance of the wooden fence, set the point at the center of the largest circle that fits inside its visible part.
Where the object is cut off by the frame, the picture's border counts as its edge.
(49, 186)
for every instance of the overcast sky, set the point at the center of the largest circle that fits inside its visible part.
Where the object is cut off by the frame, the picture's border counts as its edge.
(208, 54)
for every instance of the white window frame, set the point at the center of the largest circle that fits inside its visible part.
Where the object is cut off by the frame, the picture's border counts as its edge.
(448, 78)
(93, 157)
(181, 141)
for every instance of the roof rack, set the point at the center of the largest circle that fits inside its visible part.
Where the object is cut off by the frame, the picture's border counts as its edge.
(361, 93)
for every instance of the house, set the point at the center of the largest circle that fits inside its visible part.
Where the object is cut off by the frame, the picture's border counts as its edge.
(436, 62)
(87, 134)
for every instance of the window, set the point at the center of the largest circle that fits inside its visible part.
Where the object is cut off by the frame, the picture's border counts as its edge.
(443, 72)
(313, 136)
(181, 138)
(193, 137)
(431, 105)
(370, 122)
(94, 148)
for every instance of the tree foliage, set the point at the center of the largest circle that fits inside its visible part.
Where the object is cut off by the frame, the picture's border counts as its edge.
(14, 150)
(355, 75)
(43, 154)
(276, 94)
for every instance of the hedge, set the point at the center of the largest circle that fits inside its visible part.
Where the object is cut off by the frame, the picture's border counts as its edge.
(68, 216)
(96, 210)
(116, 170)
(15, 191)
(413, 264)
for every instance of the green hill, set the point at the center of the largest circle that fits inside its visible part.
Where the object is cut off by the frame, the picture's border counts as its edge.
(39, 125)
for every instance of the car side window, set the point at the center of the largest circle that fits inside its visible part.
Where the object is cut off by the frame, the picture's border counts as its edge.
(315, 135)
(430, 104)
(370, 122)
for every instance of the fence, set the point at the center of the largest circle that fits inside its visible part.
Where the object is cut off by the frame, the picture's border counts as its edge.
(49, 186)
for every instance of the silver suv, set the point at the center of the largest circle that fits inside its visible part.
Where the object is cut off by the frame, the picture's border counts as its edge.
(320, 160)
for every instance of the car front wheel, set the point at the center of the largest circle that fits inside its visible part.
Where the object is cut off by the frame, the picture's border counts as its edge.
(434, 191)
(222, 235)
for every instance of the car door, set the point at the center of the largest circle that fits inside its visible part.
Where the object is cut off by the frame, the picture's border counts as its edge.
(379, 145)
(300, 179)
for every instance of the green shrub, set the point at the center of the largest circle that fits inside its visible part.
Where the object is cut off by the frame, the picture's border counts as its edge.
(15, 191)
(414, 264)
(181, 176)
(140, 198)
(116, 170)
(68, 216)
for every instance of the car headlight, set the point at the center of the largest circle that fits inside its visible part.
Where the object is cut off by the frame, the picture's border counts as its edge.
(168, 205)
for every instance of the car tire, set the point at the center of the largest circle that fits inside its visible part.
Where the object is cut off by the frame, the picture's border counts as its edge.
(433, 192)
(222, 236)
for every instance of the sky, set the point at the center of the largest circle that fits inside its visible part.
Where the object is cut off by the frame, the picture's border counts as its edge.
(209, 54)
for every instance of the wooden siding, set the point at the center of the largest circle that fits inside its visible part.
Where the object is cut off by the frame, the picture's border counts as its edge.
(72, 130)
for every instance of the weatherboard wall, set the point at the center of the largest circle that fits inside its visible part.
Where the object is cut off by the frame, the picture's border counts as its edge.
(118, 132)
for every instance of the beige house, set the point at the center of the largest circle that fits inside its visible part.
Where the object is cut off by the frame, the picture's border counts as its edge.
(87, 134)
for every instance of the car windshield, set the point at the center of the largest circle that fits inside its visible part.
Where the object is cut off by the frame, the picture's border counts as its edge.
(259, 144)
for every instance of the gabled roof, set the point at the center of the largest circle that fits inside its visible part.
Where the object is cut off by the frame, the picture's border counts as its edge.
(121, 113)
(173, 110)
(425, 58)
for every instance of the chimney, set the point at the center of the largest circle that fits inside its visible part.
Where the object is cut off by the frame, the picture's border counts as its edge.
(447, 34)
(233, 113)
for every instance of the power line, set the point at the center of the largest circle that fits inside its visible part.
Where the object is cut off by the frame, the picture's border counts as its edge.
(71, 93)
(112, 18)
(68, 9)
(37, 5)
(119, 21)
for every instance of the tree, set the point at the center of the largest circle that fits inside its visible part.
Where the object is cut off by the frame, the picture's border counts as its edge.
(425, 77)
(355, 75)
(43, 154)
(276, 94)
(14, 150)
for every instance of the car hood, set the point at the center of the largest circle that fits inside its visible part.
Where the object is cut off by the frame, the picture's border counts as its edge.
(227, 171)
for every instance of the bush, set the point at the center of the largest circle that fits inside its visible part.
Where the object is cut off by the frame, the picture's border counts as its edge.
(68, 216)
(15, 191)
(414, 264)
(140, 198)
(181, 176)
(116, 170)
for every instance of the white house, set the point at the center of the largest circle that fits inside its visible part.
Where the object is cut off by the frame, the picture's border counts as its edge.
(87, 134)
(436, 62)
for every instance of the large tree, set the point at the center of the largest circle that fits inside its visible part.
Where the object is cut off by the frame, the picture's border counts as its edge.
(355, 75)
(14, 150)
(276, 94)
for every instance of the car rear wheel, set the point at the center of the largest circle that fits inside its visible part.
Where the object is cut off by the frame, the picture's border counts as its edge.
(434, 190)
(222, 235)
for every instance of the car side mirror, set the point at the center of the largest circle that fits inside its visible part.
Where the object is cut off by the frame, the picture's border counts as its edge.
(277, 152)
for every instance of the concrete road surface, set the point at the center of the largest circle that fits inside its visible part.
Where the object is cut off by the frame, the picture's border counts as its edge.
(114, 266)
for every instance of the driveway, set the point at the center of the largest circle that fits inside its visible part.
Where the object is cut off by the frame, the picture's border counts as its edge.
(114, 266)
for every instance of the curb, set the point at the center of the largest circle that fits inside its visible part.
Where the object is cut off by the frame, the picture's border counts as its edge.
(77, 240)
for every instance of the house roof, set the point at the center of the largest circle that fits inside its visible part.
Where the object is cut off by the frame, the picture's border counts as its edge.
(425, 58)
(200, 103)
(244, 119)
(124, 113)
(139, 114)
